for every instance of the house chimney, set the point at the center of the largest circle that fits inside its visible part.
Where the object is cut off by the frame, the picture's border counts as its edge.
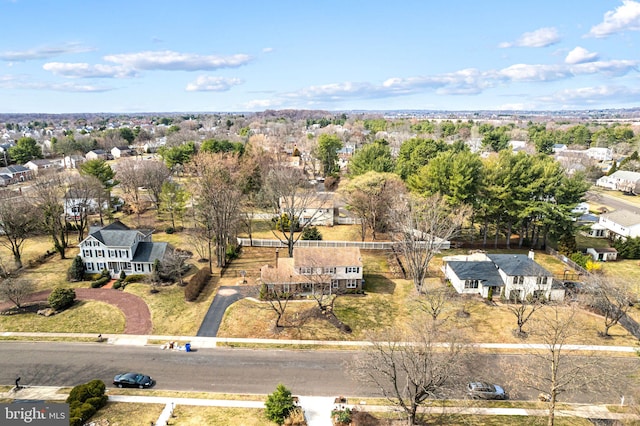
(277, 254)
(531, 254)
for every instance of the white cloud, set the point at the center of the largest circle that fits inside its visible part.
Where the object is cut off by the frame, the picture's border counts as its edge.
(43, 52)
(533, 72)
(212, 84)
(176, 61)
(625, 17)
(267, 50)
(542, 37)
(26, 84)
(593, 95)
(580, 55)
(84, 70)
(463, 82)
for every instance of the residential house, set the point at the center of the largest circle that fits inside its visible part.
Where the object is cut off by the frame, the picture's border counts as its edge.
(621, 180)
(14, 174)
(603, 254)
(621, 224)
(339, 267)
(72, 161)
(96, 154)
(512, 276)
(41, 164)
(117, 248)
(121, 151)
(600, 154)
(315, 211)
(76, 202)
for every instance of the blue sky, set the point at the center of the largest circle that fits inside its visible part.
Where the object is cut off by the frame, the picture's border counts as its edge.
(205, 56)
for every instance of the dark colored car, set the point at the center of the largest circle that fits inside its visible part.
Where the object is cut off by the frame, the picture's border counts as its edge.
(133, 380)
(481, 390)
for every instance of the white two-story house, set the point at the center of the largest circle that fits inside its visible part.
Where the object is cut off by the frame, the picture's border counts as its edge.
(341, 267)
(512, 276)
(116, 248)
(620, 224)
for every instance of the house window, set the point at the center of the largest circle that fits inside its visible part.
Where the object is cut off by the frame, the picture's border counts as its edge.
(471, 283)
(100, 253)
(128, 265)
(331, 270)
(541, 280)
(334, 283)
(112, 253)
(306, 270)
(88, 266)
(353, 269)
(352, 283)
(138, 267)
(518, 279)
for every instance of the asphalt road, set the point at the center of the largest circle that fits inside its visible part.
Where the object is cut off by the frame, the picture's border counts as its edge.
(318, 373)
(612, 202)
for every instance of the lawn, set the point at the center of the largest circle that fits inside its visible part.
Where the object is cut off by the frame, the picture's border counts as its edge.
(262, 229)
(170, 313)
(83, 317)
(390, 301)
(128, 414)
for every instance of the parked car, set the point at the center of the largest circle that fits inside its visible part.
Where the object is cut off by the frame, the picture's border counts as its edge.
(481, 390)
(133, 380)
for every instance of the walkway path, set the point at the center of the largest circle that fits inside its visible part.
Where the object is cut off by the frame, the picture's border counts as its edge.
(135, 310)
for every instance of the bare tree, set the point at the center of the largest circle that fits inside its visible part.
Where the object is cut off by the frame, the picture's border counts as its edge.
(422, 225)
(48, 191)
(173, 199)
(218, 197)
(19, 220)
(16, 290)
(84, 196)
(371, 198)
(154, 174)
(129, 174)
(413, 365)
(173, 265)
(524, 306)
(552, 371)
(434, 301)
(278, 297)
(291, 192)
(611, 298)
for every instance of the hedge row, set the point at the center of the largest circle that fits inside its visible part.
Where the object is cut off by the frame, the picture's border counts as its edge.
(100, 282)
(196, 284)
(84, 400)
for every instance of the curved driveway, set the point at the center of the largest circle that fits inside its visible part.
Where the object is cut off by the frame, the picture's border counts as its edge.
(135, 310)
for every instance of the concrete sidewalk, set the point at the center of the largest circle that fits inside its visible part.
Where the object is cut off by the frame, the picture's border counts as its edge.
(213, 342)
(318, 409)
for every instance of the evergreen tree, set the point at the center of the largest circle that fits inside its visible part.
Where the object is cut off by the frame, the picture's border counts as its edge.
(279, 404)
(76, 270)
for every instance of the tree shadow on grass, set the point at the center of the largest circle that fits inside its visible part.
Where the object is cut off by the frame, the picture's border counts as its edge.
(378, 284)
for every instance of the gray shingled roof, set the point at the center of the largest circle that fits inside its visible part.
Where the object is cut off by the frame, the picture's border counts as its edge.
(115, 238)
(518, 264)
(149, 252)
(623, 217)
(484, 271)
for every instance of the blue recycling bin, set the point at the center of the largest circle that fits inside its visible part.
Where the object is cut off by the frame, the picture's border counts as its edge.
(187, 347)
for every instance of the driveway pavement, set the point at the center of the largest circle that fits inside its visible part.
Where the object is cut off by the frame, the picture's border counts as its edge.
(135, 310)
(226, 296)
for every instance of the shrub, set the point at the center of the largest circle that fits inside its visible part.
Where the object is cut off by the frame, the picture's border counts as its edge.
(117, 285)
(311, 233)
(76, 270)
(92, 277)
(580, 258)
(169, 230)
(279, 404)
(100, 282)
(62, 298)
(135, 278)
(84, 400)
(196, 284)
(122, 275)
